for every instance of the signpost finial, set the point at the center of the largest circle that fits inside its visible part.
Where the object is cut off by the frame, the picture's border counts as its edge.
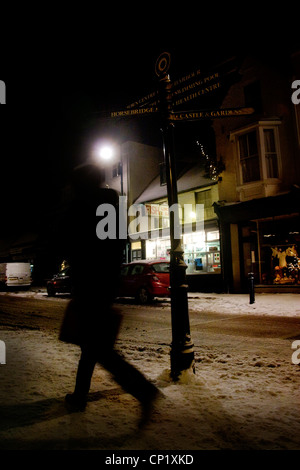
(162, 64)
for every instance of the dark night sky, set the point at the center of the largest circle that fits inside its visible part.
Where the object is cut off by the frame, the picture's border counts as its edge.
(56, 84)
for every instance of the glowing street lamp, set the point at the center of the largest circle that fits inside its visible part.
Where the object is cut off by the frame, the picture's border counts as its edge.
(107, 153)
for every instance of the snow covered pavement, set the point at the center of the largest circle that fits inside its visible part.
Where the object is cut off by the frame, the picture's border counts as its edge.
(265, 304)
(244, 395)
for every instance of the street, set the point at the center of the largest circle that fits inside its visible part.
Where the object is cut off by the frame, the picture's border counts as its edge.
(150, 324)
(244, 394)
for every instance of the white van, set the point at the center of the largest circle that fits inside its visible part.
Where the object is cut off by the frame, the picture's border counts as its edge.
(15, 274)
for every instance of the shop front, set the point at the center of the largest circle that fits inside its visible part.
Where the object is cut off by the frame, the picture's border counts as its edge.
(201, 255)
(261, 236)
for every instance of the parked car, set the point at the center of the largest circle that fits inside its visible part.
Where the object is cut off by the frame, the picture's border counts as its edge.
(145, 280)
(60, 283)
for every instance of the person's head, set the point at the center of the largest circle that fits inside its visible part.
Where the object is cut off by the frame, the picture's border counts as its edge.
(85, 179)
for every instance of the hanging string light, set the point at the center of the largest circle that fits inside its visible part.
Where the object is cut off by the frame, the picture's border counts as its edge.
(213, 167)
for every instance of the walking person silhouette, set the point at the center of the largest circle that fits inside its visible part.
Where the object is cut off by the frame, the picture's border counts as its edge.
(95, 266)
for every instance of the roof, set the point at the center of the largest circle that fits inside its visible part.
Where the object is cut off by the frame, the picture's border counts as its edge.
(191, 179)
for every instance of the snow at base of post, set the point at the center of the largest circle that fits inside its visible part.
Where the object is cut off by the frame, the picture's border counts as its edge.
(186, 377)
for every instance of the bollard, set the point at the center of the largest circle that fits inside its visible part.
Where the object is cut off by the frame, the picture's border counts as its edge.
(251, 287)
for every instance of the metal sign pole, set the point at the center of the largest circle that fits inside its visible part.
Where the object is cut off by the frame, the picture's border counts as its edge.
(182, 348)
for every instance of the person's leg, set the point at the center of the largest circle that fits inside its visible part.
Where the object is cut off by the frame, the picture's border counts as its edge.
(84, 375)
(132, 381)
(126, 375)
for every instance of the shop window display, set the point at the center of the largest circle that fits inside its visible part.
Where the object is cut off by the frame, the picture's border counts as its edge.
(201, 251)
(286, 265)
(280, 252)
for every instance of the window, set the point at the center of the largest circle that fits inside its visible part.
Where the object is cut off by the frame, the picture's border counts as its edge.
(136, 254)
(249, 158)
(137, 270)
(124, 270)
(204, 197)
(161, 268)
(117, 170)
(202, 252)
(258, 152)
(270, 153)
(158, 215)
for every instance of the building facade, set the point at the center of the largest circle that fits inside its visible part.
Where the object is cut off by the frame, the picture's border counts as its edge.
(131, 168)
(251, 218)
(198, 228)
(259, 202)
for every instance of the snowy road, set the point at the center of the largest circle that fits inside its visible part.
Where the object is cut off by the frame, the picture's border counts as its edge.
(210, 319)
(245, 394)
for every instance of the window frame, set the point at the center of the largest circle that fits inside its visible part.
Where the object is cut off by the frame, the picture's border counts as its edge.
(248, 157)
(259, 127)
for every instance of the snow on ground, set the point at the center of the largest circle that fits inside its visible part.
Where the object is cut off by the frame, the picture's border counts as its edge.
(265, 304)
(243, 396)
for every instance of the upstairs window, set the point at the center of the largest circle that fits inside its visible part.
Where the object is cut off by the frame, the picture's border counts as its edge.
(117, 170)
(258, 153)
(271, 156)
(249, 157)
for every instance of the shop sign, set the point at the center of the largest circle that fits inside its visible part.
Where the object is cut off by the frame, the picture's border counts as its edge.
(157, 210)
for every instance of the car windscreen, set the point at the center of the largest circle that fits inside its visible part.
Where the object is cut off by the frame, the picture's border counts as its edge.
(161, 267)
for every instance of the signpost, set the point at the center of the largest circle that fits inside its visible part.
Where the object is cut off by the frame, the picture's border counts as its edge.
(185, 115)
(210, 114)
(182, 348)
(161, 102)
(133, 112)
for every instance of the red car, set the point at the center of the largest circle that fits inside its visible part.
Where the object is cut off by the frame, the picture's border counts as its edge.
(145, 280)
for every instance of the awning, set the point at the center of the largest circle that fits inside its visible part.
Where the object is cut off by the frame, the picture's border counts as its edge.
(283, 204)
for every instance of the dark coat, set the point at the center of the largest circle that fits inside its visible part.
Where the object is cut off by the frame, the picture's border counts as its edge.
(95, 263)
